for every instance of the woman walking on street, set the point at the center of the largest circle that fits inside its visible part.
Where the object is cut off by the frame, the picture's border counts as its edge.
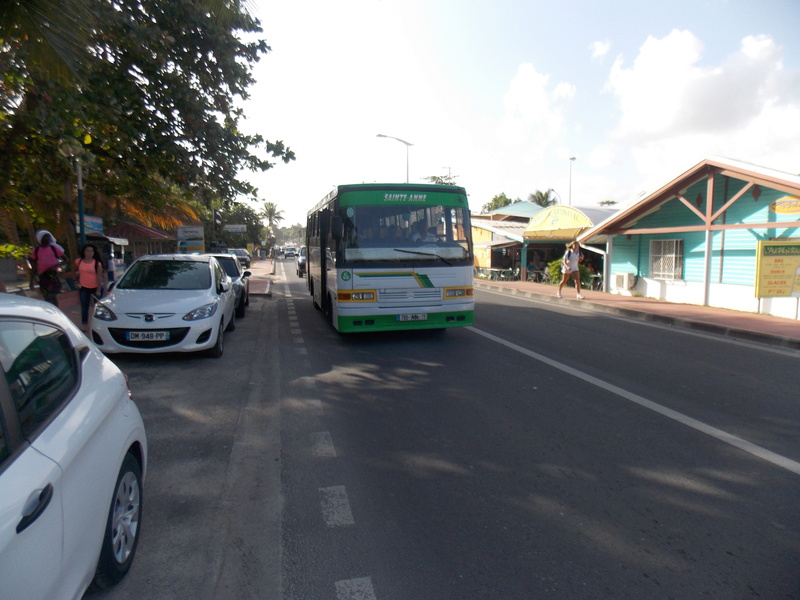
(45, 260)
(569, 268)
(89, 272)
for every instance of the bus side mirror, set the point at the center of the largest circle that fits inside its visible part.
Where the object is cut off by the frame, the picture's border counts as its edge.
(336, 227)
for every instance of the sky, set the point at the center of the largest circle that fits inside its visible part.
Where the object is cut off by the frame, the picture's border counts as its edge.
(500, 94)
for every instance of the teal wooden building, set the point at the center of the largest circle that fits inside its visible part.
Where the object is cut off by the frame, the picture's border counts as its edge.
(702, 238)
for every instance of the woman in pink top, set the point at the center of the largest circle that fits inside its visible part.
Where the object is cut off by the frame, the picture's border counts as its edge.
(89, 273)
(44, 266)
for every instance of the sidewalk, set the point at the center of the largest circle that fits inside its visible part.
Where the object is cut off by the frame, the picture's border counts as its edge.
(752, 327)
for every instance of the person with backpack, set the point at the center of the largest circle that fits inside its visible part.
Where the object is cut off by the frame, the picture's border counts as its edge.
(89, 273)
(45, 262)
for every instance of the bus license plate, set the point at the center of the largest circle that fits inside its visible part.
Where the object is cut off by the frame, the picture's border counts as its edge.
(413, 317)
(148, 336)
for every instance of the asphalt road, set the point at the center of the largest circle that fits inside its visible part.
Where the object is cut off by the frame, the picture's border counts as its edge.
(546, 452)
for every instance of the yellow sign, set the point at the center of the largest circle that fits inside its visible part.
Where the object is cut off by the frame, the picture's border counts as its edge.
(788, 205)
(778, 269)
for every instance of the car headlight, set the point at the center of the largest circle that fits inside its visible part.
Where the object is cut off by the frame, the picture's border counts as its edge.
(102, 312)
(203, 312)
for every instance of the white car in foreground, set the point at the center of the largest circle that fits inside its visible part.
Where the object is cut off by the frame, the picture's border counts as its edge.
(167, 303)
(73, 455)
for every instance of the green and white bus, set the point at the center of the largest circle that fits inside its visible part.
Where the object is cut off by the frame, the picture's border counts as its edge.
(391, 257)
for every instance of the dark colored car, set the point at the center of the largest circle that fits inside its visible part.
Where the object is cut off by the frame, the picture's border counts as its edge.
(231, 264)
(300, 262)
(243, 256)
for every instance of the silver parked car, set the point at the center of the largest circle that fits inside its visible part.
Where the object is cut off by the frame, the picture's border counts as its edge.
(300, 262)
(240, 279)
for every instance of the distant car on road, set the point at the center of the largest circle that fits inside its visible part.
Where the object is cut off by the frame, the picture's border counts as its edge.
(243, 256)
(300, 262)
(240, 279)
(289, 252)
(73, 456)
(167, 303)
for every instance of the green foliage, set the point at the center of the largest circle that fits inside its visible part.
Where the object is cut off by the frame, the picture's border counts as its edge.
(239, 214)
(156, 109)
(12, 251)
(498, 201)
(294, 234)
(272, 215)
(441, 179)
(554, 270)
(543, 199)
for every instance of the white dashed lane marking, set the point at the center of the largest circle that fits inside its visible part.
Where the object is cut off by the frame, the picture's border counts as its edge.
(355, 589)
(335, 506)
(322, 445)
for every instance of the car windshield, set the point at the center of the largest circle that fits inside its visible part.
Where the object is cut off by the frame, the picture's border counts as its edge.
(166, 275)
(229, 265)
(240, 252)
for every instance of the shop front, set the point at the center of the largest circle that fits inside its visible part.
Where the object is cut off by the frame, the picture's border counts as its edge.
(549, 232)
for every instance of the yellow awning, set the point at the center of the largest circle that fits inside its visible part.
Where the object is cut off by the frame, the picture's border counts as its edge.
(557, 223)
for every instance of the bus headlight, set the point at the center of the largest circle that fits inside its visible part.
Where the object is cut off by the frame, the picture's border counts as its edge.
(458, 292)
(356, 296)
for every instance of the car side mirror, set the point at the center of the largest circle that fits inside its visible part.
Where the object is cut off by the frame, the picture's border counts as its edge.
(224, 286)
(246, 274)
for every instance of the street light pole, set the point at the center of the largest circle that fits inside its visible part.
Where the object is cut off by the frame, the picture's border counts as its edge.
(571, 160)
(402, 142)
(81, 216)
(72, 149)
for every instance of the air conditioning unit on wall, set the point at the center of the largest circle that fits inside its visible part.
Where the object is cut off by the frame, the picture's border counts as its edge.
(624, 281)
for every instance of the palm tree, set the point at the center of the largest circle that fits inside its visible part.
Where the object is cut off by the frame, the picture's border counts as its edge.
(543, 199)
(272, 215)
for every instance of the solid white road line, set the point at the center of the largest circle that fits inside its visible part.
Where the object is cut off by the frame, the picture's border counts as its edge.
(737, 442)
(335, 506)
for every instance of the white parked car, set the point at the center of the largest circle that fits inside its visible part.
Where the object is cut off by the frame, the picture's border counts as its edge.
(167, 303)
(73, 456)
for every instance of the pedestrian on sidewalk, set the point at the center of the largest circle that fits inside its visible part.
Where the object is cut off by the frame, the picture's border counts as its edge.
(570, 268)
(90, 274)
(45, 266)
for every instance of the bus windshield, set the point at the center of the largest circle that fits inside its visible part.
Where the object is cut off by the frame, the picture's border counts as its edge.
(405, 233)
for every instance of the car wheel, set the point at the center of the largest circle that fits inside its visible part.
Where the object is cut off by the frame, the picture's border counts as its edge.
(216, 350)
(247, 296)
(232, 323)
(122, 528)
(240, 309)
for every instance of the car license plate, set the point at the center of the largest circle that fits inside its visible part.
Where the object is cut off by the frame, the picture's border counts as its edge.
(413, 317)
(148, 336)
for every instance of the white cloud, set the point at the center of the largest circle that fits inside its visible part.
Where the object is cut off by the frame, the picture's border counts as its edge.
(600, 49)
(675, 110)
(533, 113)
